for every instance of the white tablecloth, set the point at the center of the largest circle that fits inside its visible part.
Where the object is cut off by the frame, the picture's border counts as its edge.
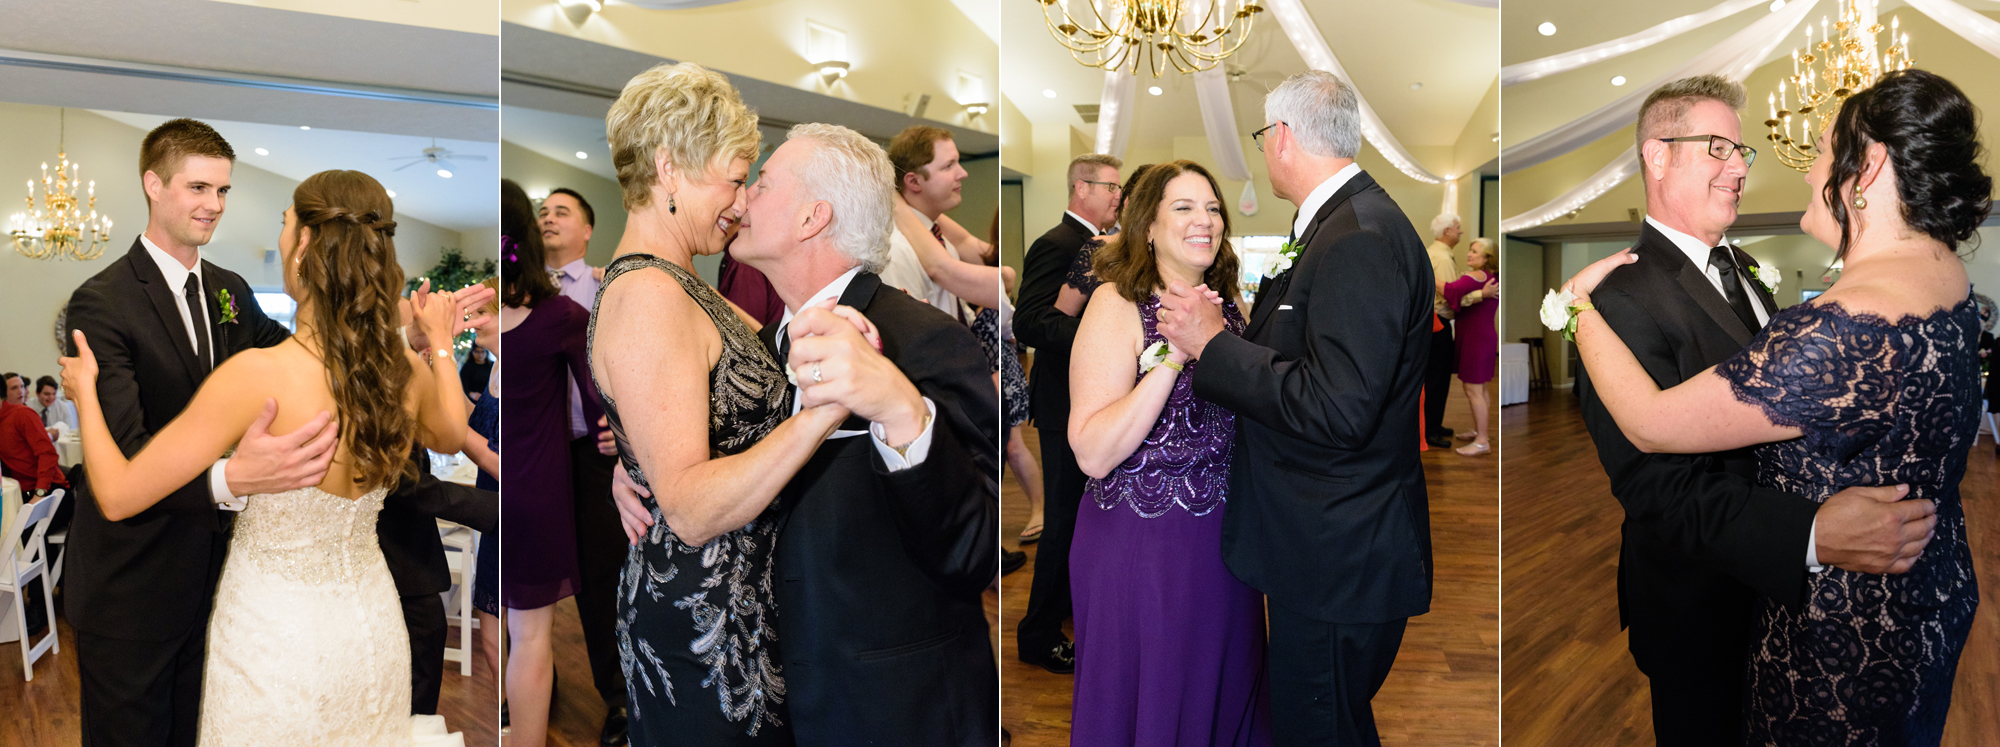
(10, 504)
(1513, 373)
(69, 451)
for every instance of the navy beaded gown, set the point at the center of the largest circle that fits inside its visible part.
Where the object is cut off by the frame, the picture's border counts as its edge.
(1869, 659)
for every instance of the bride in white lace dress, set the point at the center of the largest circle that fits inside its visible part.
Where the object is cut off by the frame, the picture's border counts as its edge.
(307, 644)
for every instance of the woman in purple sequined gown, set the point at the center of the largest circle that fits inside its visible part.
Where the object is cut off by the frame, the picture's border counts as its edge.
(1169, 645)
(1875, 382)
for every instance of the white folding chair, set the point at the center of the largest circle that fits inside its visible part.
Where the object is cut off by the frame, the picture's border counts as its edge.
(27, 561)
(461, 557)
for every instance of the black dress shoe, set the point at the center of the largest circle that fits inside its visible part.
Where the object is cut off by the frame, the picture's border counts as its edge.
(1446, 432)
(1011, 561)
(1442, 442)
(614, 728)
(1059, 658)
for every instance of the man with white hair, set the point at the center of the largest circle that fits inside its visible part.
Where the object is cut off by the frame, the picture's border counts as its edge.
(889, 534)
(1446, 230)
(1328, 514)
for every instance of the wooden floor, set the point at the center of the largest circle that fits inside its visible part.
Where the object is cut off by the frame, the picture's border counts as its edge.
(45, 710)
(1445, 688)
(1569, 679)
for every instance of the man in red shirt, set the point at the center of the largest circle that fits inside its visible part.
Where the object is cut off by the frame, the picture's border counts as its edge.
(26, 454)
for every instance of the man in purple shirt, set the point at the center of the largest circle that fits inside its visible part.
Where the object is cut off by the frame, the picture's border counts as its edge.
(567, 221)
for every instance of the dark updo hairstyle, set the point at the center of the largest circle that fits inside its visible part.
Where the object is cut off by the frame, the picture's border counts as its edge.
(352, 282)
(1932, 133)
(523, 268)
(1127, 258)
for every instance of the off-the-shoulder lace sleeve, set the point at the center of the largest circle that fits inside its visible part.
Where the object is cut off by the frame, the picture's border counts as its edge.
(1080, 277)
(1833, 375)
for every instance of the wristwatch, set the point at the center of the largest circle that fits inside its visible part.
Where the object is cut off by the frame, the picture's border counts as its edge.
(41, 493)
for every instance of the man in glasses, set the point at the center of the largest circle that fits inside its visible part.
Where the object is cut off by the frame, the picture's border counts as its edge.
(1093, 207)
(1701, 539)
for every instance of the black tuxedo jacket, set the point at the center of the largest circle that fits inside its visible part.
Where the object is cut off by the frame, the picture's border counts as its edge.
(407, 526)
(1700, 538)
(881, 628)
(151, 577)
(1327, 510)
(1038, 323)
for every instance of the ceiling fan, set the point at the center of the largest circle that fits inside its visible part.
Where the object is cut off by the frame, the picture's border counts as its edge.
(438, 156)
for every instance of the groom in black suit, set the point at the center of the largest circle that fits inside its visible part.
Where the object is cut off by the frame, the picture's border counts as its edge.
(1327, 514)
(140, 589)
(1701, 540)
(889, 533)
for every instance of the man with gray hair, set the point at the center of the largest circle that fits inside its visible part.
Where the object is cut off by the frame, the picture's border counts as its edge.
(1446, 229)
(1092, 180)
(1701, 540)
(889, 534)
(1328, 514)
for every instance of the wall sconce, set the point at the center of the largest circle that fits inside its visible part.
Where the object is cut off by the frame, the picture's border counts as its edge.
(832, 70)
(975, 109)
(578, 11)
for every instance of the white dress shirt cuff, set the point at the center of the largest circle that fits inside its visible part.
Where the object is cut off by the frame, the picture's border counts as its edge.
(1812, 549)
(911, 455)
(218, 487)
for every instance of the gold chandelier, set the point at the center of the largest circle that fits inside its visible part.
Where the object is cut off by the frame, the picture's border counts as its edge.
(1126, 32)
(60, 228)
(1852, 63)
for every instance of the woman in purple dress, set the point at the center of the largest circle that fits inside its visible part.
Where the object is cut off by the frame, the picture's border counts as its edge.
(543, 334)
(1473, 297)
(1169, 645)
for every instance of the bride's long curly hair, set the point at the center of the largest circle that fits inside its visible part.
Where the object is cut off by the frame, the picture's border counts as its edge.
(350, 279)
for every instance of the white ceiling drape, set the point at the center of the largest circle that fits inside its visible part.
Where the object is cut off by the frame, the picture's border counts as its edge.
(1535, 69)
(1298, 26)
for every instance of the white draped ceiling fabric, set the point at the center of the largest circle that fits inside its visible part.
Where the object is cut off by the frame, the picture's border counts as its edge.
(1567, 61)
(1981, 31)
(675, 4)
(1734, 59)
(1212, 89)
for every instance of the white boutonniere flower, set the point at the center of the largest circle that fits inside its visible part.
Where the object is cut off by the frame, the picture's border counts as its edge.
(1283, 260)
(1153, 356)
(1770, 277)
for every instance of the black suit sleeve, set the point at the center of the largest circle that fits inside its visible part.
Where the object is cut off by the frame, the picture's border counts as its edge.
(462, 504)
(1358, 321)
(118, 394)
(1688, 501)
(1037, 321)
(947, 508)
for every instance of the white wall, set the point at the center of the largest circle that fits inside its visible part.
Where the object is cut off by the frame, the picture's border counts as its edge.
(32, 291)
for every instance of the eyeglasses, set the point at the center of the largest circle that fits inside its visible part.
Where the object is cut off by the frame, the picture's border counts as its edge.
(1258, 136)
(1113, 186)
(1718, 146)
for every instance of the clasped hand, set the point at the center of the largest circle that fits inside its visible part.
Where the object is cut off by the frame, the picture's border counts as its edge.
(1190, 316)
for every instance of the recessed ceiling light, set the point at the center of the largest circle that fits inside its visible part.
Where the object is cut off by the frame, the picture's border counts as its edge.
(305, 127)
(444, 173)
(262, 152)
(1417, 86)
(1155, 90)
(392, 193)
(1739, 241)
(581, 154)
(1617, 80)
(1777, 5)
(1547, 29)
(1048, 93)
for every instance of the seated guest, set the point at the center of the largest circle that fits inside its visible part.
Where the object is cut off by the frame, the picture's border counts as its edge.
(17, 387)
(26, 454)
(54, 408)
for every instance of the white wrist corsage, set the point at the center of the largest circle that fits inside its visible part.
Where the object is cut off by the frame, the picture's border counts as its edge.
(1282, 261)
(1156, 356)
(1770, 277)
(1559, 310)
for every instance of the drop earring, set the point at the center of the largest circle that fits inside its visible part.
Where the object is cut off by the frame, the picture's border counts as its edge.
(1860, 203)
(671, 207)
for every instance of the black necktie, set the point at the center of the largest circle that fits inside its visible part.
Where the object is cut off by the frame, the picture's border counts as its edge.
(192, 291)
(937, 232)
(1724, 262)
(784, 345)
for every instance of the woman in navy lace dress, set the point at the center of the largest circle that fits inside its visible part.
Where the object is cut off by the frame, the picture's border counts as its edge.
(1876, 382)
(1169, 645)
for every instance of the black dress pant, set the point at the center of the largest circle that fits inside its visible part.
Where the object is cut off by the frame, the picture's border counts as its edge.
(1323, 676)
(141, 693)
(1437, 379)
(424, 615)
(1048, 594)
(600, 555)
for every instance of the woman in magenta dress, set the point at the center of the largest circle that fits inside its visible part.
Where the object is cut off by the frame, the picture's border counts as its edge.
(1169, 645)
(1475, 297)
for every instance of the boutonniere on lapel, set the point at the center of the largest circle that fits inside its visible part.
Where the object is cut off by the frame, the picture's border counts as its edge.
(228, 305)
(1283, 260)
(1770, 277)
